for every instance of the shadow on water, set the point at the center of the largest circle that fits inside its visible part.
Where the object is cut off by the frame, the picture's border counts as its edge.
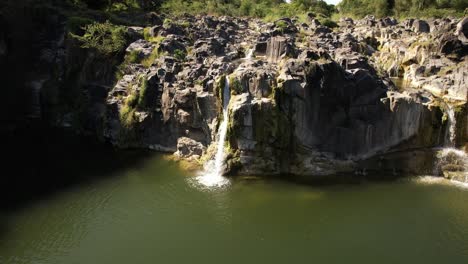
(41, 162)
(344, 179)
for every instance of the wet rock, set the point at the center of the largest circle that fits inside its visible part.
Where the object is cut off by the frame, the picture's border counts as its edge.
(187, 147)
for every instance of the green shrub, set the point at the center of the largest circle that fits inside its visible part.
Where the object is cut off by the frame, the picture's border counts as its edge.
(147, 62)
(403, 8)
(328, 23)
(105, 38)
(133, 57)
(167, 23)
(180, 55)
(143, 92)
(127, 116)
(281, 25)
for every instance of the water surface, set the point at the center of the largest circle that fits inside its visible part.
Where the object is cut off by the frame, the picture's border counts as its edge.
(154, 212)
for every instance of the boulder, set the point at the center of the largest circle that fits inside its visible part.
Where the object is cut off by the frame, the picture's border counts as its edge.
(278, 48)
(462, 31)
(143, 47)
(187, 147)
(420, 26)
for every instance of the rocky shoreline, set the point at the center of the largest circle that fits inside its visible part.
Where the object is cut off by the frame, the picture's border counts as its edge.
(311, 100)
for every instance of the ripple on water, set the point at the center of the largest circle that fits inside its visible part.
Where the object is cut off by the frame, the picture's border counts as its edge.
(210, 181)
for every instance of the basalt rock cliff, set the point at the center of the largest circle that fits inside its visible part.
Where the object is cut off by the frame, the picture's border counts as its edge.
(369, 95)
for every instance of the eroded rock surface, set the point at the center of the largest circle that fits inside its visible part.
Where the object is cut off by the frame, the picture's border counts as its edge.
(306, 99)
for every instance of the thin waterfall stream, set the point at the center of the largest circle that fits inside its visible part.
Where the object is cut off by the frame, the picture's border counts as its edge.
(212, 176)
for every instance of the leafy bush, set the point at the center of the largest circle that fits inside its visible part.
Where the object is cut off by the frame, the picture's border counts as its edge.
(328, 23)
(281, 25)
(105, 38)
(180, 55)
(403, 8)
(143, 93)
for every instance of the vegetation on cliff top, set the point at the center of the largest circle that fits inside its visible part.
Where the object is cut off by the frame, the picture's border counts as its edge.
(273, 9)
(403, 8)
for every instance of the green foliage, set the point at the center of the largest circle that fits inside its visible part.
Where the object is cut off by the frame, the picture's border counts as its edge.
(117, 5)
(167, 23)
(106, 38)
(328, 23)
(147, 62)
(143, 92)
(269, 10)
(235, 85)
(282, 25)
(180, 55)
(127, 116)
(134, 101)
(403, 8)
(133, 57)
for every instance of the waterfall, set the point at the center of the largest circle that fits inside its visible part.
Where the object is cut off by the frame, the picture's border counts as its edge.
(213, 174)
(452, 125)
(249, 54)
(452, 162)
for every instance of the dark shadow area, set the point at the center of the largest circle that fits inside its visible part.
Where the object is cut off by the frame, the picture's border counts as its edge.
(40, 161)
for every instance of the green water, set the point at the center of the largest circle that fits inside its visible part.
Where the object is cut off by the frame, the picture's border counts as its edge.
(155, 213)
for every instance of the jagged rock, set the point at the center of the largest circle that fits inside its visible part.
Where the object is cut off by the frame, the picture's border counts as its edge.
(322, 30)
(185, 98)
(156, 19)
(172, 43)
(260, 48)
(420, 26)
(187, 147)
(279, 47)
(143, 47)
(208, 47)
(388, 21)
(283, 26)
(310, 102)
(462, 31)
(314, 23)
(347, 21)
(135, 33)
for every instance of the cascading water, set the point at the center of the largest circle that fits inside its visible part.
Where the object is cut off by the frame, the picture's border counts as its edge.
(212, 176)
(452, 162)
(452, 125)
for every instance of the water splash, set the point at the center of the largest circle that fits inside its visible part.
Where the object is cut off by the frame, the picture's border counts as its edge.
(213, 173)
(249, 55)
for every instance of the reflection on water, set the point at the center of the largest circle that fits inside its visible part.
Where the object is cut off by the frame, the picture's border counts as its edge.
(154, 213)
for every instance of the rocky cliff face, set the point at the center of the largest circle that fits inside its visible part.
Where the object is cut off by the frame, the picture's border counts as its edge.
(311, 100)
